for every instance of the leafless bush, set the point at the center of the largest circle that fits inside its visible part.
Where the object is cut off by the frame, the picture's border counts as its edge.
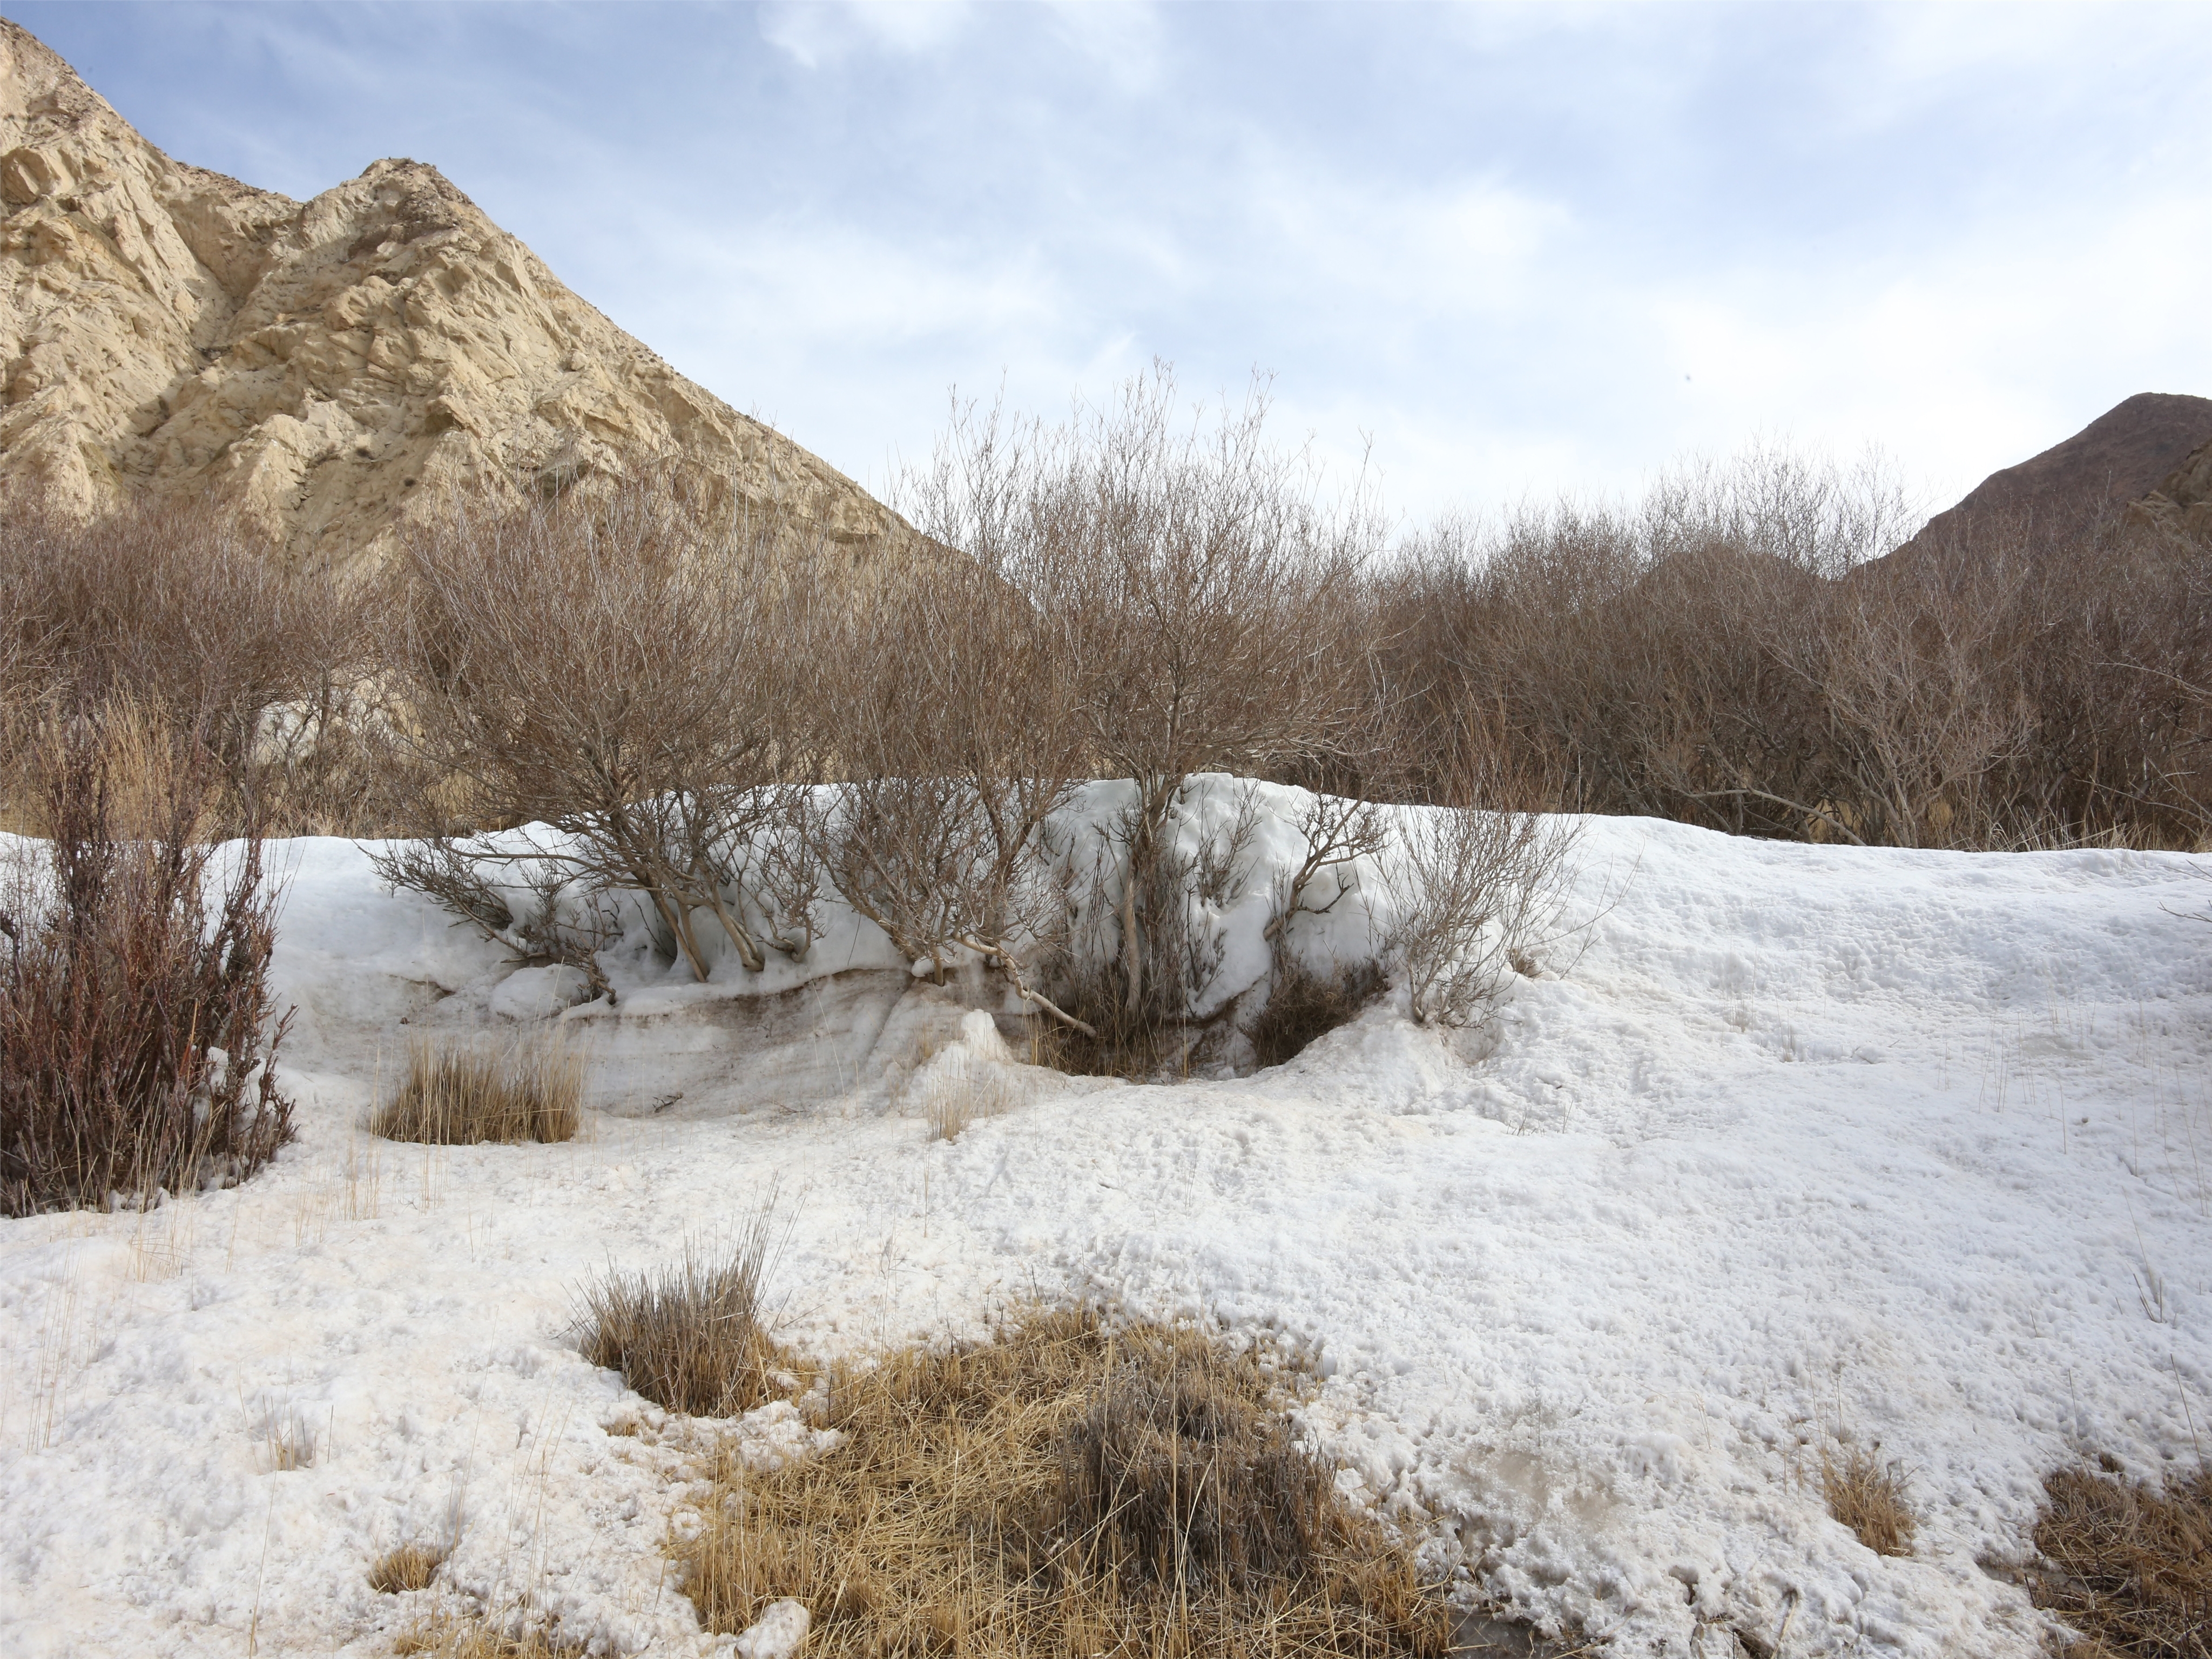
(180, 607)
(1473, 887)
(137, 1028)
(183, 614)
(1196, 871)
(1734, 651)
(956, 735)
(614, 668)
(549, 930)
(460, 1095)
(1200, 597)
(692, 1336)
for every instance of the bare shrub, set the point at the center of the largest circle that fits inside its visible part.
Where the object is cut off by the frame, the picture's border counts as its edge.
(1474, 890)
(957, 734)
(460, 1095)
(180, 607)
(2134, 1566)
(410, 1566)
(183, 612)
(1734, 651)
(611, 667)
(1202, 602)
(1301, 1002)
(1066, 1487)
(1197, 870)
(1868, 1496)
(137, 1028)
(566, 920)
(692, 1336)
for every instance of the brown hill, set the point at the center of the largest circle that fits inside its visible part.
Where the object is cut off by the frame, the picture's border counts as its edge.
(2147, 459)
(331, 368)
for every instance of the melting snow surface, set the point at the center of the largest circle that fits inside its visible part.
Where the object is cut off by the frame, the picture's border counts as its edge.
(1789, 1149)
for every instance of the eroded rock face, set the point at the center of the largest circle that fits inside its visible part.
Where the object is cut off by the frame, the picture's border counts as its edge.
(2182, 506)
(333, 367)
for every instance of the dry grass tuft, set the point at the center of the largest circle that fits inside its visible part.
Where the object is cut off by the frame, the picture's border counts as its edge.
(410, 1567)
(2135, 1566)
(457, 1096)
(692, 1337)
(1868, 1498)
(1065, 1488)
(1305, 1004)
(953, 1102)
(452, 1635)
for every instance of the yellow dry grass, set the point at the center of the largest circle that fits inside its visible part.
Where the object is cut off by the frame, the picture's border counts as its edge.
(2134, 1566)
(410, 1567)
(1867, 1495)
(1068, 1488)
(692, 1336)
(460, 1094)
(470, 1635)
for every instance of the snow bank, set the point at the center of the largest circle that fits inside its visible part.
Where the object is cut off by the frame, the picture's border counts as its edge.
(1811, 1144)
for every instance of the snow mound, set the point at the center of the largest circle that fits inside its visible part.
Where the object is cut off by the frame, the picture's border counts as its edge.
(1788, 1148)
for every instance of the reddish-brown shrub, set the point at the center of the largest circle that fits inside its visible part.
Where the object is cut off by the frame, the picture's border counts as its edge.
(137, 1023)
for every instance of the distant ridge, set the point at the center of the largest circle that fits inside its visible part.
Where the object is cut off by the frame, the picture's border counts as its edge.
(331, 368)
(2147, 459)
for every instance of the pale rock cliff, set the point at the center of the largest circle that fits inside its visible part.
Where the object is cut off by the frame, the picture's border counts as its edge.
(333, 367)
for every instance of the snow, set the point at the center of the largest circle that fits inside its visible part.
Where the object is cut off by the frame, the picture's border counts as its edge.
(1785, 1148)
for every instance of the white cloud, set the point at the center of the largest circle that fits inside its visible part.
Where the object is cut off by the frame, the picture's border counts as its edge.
(1497, 239)
(820, 33)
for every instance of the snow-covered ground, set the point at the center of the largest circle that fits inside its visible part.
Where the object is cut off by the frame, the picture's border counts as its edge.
(1807, 1147)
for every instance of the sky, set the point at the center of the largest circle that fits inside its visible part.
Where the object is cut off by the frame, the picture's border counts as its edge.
(1502, 253)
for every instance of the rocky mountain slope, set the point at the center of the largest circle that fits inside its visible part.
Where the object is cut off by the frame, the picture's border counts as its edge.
(331, 368)
(2148, 460)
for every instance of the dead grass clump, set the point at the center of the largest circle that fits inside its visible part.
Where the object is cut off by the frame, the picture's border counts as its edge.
(1305, 1004)
(692, 1337)
(458, 1096)
(460, 1635)
(1869, 1497)
(1142, 1046)
(1064, 1488)
(410, 1567)
(952, 1103)
(2135, 1566)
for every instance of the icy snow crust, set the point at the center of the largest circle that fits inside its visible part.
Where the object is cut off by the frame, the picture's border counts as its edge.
(1808, 1146)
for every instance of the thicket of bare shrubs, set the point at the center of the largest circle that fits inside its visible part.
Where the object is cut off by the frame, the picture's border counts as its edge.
(179, 622)
(729, 725)
(136, 1022)
(735, 726)
(1731, 651)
